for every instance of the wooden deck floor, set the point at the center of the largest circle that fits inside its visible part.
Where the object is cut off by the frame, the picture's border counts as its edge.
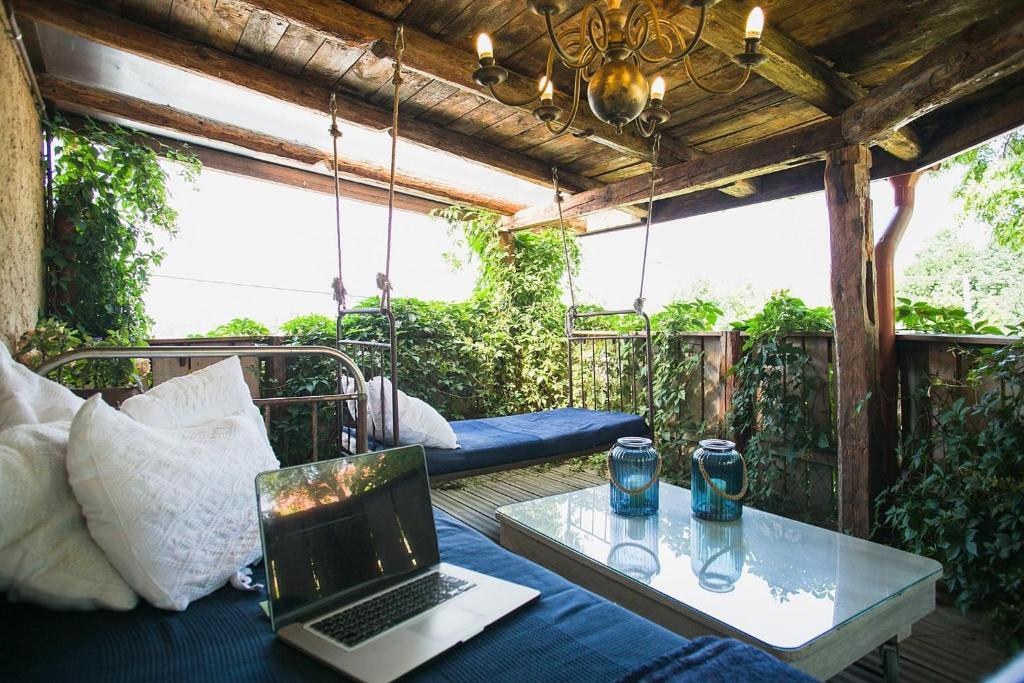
(945, 646)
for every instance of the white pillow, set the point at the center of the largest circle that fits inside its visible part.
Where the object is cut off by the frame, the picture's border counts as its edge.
(418, 422)
(215, 391)
(27, 398)
(46, 553)
(174, 509)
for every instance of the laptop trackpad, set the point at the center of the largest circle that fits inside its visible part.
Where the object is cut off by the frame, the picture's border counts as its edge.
(448, 622)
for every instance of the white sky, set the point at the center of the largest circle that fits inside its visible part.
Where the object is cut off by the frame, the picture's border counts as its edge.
(276, 245)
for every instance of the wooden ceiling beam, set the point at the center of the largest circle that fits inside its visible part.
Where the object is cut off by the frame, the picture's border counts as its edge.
(443, 61)
(100, 27)
(97, 100)
(775, 153)
(289, 176)
(977, 57)
(793, 68)
(974, 59)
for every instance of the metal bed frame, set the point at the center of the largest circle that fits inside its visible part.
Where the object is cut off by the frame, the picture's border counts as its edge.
(346, 366)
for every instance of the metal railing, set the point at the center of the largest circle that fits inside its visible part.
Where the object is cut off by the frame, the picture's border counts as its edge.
(182, 352)
(372, 357)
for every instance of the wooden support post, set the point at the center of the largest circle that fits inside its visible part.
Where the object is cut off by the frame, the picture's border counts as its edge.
(847, 183)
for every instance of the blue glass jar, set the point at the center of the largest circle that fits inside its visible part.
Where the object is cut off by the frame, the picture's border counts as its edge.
(718, 481)
(633, 470)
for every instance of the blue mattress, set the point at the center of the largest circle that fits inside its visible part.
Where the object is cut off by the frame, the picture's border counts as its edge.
(569, 634)
(496, 441)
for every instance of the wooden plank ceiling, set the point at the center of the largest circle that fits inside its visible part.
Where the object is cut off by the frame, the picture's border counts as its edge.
(838, 46)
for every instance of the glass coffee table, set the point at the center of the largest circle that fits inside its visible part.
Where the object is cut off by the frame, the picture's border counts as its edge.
(815, 598)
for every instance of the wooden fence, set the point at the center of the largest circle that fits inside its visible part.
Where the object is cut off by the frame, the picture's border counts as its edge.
(807, 480)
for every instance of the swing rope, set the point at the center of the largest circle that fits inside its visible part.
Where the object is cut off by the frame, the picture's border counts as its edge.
(384, 279)
(339, 283)
(638, 305)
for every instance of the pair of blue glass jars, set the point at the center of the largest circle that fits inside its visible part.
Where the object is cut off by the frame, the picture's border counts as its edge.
(633, 470)
(718, 481)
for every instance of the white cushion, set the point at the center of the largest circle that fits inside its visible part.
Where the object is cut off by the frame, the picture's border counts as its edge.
(174, 509)
(418, 422)
(215, 391)
(46, 553)
(27, 398)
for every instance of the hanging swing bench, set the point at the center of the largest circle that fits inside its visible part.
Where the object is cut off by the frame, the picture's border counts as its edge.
(610, 389)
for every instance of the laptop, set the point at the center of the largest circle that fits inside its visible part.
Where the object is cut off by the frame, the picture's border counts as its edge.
(354, 576)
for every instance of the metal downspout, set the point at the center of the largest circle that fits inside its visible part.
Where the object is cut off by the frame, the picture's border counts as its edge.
(885, 294)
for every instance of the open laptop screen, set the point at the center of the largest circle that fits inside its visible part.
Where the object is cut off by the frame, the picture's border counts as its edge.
(339, 529)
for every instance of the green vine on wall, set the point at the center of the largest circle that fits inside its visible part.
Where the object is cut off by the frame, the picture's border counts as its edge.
(777, 410)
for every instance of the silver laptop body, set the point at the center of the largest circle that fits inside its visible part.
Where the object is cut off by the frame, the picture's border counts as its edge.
(354, 577)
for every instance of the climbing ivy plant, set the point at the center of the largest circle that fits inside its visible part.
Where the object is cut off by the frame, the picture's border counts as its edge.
(778, 395)
(110, 200)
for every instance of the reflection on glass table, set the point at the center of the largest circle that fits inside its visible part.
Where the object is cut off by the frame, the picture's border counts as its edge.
(634, 547)
(717, 554)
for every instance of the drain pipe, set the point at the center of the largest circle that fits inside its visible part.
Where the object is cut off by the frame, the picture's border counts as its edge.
(885, 295)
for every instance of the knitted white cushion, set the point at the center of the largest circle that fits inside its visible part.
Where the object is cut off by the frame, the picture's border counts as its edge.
(27, 398)
(174, 509)
(46, 553)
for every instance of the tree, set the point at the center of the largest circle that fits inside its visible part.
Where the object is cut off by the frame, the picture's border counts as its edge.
(992, 189)
(985, 282)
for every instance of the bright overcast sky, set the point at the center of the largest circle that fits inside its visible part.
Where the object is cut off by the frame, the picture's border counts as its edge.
(253, 249)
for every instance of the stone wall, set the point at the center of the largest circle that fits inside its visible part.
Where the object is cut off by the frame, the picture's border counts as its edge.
(21, 199)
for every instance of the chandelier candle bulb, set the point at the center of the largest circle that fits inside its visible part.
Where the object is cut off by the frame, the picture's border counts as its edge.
(755, 24)
(547, 91)
(658, 89)
(484, 47)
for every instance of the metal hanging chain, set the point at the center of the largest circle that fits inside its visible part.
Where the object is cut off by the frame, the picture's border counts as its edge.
(384, 279)
(565, 239)
(339, 283)
(638, 305)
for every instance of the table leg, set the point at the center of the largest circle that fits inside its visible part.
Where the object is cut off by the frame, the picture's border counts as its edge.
(890, 654)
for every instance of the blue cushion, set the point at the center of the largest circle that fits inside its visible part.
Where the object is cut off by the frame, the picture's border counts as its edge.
(496, 441)
(569, 634)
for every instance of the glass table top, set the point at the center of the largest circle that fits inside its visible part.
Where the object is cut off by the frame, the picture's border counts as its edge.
(777, 580)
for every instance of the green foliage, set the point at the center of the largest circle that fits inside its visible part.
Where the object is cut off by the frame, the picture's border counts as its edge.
(240, 327)
(782, 403)
(517, 300)
(53, 336)
(925, 317)
(312, 325)
(110, 200)
(992, 189)
(960, 496)
(951, 272)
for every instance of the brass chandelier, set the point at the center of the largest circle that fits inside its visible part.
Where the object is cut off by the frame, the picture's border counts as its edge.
(605, 51)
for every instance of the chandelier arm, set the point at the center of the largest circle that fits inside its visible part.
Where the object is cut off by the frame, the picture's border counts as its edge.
(715, 91)
(567, 59)
(634, 22)
(586, 52)
(595, 21)
(512, 102)
(666, 45)
(572, 113)
(640, 127)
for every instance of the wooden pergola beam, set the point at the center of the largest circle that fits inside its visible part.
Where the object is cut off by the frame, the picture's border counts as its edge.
(974, 59)
(772, 154)
(793, 68)
(100, 27)
(439, 60)
(977, 57)
(97, 100)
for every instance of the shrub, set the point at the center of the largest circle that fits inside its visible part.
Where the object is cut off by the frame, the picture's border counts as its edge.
(961, 492)
(239, 327)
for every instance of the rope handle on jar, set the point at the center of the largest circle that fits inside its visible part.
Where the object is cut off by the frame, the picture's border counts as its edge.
(640, 489)
(723, 494)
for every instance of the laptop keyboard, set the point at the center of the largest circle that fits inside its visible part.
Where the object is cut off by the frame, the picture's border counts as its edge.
(363, 621)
